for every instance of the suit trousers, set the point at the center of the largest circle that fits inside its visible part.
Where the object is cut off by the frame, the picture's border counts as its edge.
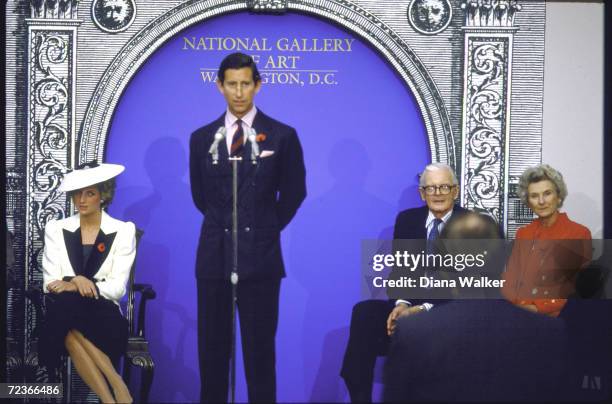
(368, 339)
(257, 310)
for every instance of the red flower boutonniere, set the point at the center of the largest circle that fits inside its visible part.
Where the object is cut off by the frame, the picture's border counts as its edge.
(260, 137)
(101, 247)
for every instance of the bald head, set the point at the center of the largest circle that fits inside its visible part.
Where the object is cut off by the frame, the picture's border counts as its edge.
(471, 225)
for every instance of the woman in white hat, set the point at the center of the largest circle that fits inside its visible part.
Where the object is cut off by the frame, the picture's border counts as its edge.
(86, 265)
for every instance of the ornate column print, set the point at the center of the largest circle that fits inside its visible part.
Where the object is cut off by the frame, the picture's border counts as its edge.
(52, 31)
(489, 31)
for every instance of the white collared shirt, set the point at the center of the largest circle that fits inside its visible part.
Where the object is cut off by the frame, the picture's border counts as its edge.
(429, 226)
(430, 220)
(231, 126)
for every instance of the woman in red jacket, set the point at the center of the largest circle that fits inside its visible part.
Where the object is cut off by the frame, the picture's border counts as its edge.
(548, 252)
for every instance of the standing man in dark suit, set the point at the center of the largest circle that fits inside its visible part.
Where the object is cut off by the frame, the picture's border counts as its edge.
(270, 190)
(373, 321)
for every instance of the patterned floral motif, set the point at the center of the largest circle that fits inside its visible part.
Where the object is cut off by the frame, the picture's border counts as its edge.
(485, 128)
(50, 122)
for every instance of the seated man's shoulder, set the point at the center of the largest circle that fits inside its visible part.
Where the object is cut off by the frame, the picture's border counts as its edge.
(458, 210)
(412, 213)
(410, 223)
(424, 211)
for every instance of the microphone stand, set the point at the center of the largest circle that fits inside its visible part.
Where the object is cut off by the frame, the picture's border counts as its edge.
(234, 275)
(214, 152)
(251, 137)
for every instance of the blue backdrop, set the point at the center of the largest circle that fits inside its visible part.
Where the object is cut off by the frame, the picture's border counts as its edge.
(364, 143)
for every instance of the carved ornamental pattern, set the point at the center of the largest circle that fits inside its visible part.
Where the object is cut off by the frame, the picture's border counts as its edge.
(50, 123)
(430, 17)
(345, 13)
(490, 13)
(488, 43)
(50, 141)
(485, 128)
(274, 6)
(54, 8)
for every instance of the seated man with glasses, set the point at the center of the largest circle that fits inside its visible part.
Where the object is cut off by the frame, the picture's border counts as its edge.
(373, 321)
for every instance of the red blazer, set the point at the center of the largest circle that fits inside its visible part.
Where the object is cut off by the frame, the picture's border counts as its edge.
(542, 272)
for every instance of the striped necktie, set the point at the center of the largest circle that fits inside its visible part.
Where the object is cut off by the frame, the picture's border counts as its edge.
(433, 236)
(237, 141)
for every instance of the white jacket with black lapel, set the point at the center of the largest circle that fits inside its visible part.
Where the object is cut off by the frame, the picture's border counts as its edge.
(108, 264)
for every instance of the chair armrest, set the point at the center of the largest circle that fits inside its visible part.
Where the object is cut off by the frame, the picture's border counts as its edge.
(36, 295)
(146, 290)
(147, 293)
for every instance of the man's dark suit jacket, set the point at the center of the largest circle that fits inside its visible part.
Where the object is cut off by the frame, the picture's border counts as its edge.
(410, 223)
(476, 350)
(368, 332)
(269, 194)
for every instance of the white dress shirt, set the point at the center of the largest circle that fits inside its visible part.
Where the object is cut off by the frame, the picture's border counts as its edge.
(231, 126)
(429, 223)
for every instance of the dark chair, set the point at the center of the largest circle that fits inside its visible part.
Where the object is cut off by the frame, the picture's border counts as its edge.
(137, 353)
(14, 360)
(589, 326)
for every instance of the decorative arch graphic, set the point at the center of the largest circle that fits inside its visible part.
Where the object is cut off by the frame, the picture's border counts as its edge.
(41, 150)
(99, 113)
(361, 168)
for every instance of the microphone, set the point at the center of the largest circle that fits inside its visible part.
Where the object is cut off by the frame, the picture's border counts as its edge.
(254, 145)
(214, 147)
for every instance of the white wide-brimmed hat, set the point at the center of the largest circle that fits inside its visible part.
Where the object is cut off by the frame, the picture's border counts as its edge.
(89, 175)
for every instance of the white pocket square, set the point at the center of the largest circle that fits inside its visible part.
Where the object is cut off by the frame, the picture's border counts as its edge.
(266, 153)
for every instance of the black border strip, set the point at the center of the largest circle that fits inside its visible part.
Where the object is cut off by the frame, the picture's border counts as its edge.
(607, 149)
(3, 291)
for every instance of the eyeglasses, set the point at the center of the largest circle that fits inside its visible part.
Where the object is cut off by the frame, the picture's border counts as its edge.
(443, 189)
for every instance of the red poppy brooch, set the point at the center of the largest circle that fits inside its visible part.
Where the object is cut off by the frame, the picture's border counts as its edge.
(260, 137)
(101, 247)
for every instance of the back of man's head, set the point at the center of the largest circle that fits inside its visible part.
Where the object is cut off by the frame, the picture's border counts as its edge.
(475, 234)
(471, 225)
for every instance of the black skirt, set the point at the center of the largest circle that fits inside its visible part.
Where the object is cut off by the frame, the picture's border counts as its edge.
(99, 320)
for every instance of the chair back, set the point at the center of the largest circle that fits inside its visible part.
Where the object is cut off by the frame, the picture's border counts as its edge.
(130, 287)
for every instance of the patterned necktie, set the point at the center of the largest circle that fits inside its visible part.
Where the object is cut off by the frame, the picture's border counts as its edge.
(237, 141)
(433, 236)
